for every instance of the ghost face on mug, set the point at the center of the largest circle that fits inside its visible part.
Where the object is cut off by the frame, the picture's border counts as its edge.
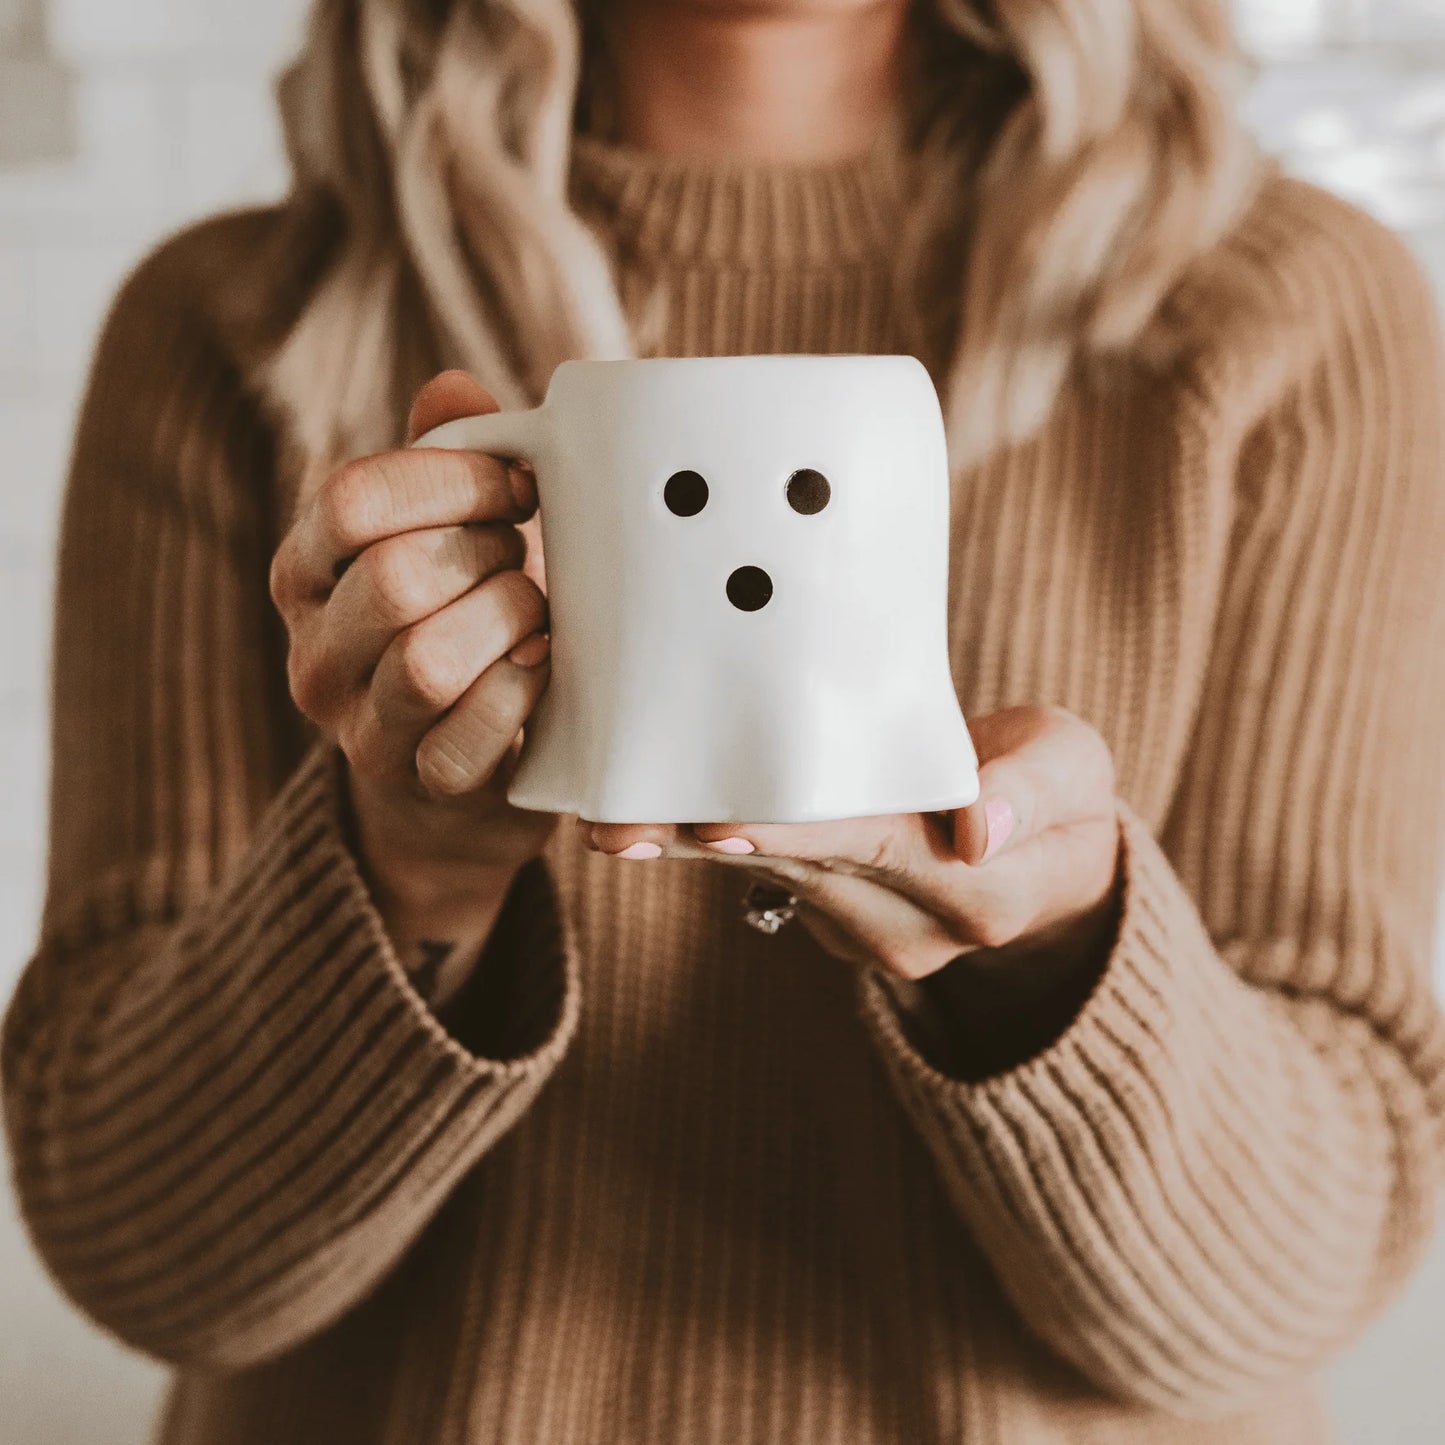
(747, 563)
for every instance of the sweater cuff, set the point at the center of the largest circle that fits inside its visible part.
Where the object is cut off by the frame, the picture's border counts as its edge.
(396, 1105)
(337, 929)
(1165, 1013)
(276, 1111)
(1102, 1177)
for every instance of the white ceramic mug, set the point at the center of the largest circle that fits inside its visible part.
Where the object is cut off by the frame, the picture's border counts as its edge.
(747, 574)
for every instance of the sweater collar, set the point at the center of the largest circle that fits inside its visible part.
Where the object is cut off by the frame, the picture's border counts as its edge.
(664, 209)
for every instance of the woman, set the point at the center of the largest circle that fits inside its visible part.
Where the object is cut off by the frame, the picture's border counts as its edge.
(1108, 1109)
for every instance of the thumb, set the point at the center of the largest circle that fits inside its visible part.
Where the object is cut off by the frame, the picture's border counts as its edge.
(1040, 767)
(447, 397)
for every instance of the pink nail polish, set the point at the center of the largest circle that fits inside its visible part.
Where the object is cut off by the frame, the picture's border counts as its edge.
(732, 845)
(640, 850)
(998, 815)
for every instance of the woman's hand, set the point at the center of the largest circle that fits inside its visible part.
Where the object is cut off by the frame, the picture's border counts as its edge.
(416, 619)
(1030, 867)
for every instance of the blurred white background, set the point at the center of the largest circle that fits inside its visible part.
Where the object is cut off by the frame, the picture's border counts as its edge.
(122, 119)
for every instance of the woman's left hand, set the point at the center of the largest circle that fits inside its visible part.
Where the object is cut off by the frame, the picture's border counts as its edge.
(1033, 862)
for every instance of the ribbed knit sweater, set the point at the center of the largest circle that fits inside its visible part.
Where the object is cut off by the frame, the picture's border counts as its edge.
(656, 1177)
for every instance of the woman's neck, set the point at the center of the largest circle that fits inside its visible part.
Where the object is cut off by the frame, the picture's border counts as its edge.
(732, 80)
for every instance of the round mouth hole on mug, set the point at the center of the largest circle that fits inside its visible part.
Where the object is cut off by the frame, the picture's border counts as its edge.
(749, 588)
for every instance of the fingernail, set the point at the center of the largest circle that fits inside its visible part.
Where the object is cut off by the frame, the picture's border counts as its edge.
(998, 816)
(640, 850)
(732, 845)
(531, 649)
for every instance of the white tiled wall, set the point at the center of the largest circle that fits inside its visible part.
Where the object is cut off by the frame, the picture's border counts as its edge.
(170, 102)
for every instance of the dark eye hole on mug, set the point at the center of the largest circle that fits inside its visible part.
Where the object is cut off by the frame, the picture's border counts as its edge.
(685, 493)
(808, 491)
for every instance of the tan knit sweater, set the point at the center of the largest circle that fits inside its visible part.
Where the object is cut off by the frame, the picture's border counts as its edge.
(656, 1177)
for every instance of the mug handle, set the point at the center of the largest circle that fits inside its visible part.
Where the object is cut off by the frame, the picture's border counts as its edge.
(499, 433)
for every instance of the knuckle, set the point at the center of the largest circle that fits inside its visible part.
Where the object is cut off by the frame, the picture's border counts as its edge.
(1091, 756)
(280, 577)
(308, 690)
(993, 928)
(523, 598)
(363, 745)
(1075, 745)
(426, 669)
(346, 504)
(397, 583)
(517, 607)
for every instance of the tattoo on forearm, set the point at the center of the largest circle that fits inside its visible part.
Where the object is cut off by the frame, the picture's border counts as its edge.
(433, 954)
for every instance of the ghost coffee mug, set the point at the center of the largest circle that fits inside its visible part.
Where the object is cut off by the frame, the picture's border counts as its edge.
(747, 574)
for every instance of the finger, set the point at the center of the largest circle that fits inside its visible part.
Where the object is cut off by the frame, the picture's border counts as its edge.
(1040, 768)
(400, 581)
(1046, 884)
(452, 395)
(386, 495)
(448, 396)
(869, 923)
(427, 668)
(861, 845)
(883, 922)
(909, 853)
(464, 750)
(865, 922)
(638, 840)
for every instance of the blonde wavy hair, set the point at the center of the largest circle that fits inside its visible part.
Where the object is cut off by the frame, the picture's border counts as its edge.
(1097, 146)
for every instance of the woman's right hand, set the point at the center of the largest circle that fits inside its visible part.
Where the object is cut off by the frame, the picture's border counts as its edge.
(417, 642)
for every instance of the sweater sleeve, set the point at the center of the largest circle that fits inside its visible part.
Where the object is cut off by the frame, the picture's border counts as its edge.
(1230, 1157)
(229, 1111)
